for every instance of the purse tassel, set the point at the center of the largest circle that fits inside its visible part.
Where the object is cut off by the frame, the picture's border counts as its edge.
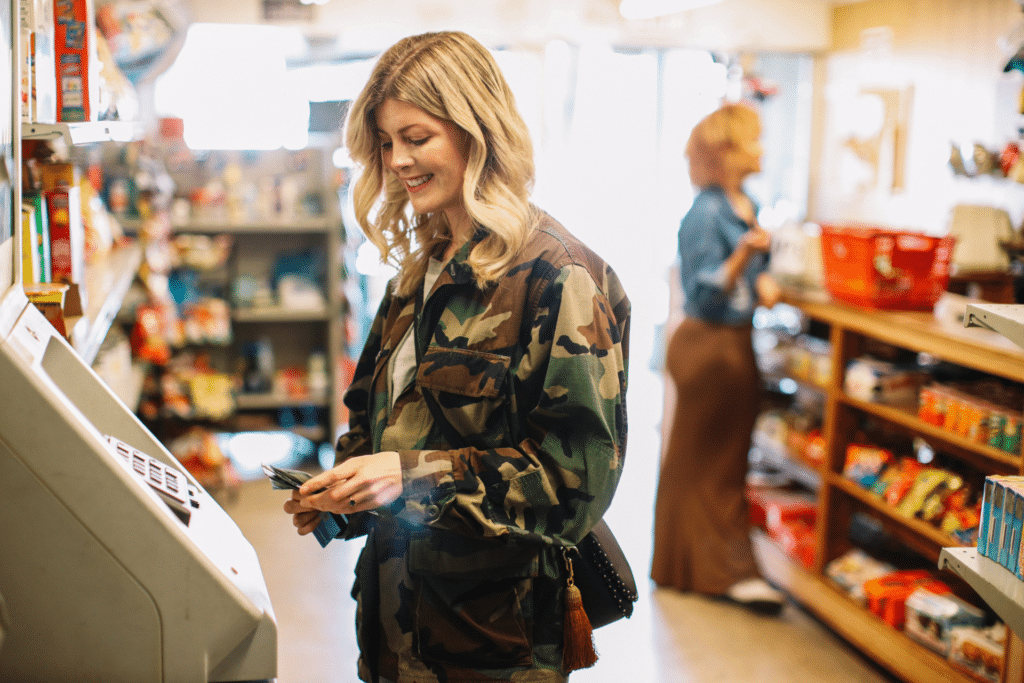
(578, 646)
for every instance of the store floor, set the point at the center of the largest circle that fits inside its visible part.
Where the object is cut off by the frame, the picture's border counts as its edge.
(671, 637)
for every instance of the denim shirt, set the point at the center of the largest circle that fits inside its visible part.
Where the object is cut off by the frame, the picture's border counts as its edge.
(708, 234)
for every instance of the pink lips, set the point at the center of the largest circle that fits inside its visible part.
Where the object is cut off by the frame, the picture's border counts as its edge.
(417, 188)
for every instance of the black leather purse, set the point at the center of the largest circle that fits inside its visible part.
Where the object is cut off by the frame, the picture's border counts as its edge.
(604, 577)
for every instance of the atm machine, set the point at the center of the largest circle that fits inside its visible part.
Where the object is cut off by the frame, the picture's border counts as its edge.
(115, 564)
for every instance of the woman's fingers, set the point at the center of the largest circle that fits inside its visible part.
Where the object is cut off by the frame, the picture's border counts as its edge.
(358, 484)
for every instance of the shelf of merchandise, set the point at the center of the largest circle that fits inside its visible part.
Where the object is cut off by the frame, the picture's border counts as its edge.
(778, 457)
(942, 335)
(106, 283)
(1002, 589)
(867, 632)
(326, 231)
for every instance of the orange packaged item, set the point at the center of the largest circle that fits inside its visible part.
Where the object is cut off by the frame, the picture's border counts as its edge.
(887, 595)
(796, 537)
(864, 464)
(932, 404)
(897, 479)
(76, 61)
(772, 506)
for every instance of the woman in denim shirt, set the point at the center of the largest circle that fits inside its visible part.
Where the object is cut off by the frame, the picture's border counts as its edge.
(701, 540)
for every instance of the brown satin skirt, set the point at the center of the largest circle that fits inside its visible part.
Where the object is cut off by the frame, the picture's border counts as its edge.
(701, 520)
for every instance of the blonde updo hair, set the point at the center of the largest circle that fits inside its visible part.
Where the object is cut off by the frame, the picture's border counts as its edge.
(716, 137)
(453, 77)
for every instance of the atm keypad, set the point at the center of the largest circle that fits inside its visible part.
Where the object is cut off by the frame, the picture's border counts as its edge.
(170, 483)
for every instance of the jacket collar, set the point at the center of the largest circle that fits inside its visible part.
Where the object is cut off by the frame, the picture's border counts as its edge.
(457, 270)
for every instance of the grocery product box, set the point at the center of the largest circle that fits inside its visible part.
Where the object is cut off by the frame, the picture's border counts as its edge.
(869, 379)
(887, 595)
(77, 66)
(38, 29)
(1013, 511)
(980, 652)
(1002, 520)
(930, 618)
(855, 568)
(25, 69)
(67, 235)
(984, 524)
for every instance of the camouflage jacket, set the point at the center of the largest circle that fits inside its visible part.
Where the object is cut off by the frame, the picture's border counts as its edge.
(461, 578)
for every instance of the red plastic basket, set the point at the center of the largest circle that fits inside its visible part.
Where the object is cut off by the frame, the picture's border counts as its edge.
(884, 268)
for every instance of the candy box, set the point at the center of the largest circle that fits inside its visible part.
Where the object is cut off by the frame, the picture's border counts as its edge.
(855, 568)
(931, 617)
(864, 464)
(887, 595)
(771, 506)
(980, 652)
(869, 379)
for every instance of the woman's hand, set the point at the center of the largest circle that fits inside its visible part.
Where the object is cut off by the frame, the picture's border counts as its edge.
(768, 290)
(361, 483)
(756, 239)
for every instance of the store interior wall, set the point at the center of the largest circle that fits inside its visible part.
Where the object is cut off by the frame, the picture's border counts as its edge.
(941, 63)
(797, 25)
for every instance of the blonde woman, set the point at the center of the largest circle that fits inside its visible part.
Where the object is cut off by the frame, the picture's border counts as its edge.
(701, 538)
(488, 418)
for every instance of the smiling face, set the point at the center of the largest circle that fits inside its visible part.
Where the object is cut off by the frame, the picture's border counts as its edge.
(428, 155)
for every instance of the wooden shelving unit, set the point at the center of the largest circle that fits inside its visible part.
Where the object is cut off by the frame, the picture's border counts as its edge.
(941, 335)
(294, 331)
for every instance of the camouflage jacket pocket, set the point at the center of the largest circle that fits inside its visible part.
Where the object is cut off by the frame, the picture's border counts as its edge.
(471, 388)
(473, 610)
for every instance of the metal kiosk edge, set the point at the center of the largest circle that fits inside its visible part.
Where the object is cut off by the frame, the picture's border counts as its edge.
(101, 579)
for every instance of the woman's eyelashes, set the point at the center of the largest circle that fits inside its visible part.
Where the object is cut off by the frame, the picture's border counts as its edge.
(416, 142)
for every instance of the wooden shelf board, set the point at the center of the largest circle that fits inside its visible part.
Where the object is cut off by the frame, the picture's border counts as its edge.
(274, 401)
(278, 314)
(921, 528)
(1002, 459)
(940, 333)
(296, 226)
(889, 647)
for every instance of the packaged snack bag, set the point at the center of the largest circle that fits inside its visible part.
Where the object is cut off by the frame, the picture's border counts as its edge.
(864, 464)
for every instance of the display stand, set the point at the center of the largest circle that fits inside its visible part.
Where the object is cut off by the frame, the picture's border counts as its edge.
(1006, 319)
(81, 133)
(107, 282)
(1001, 589)
(852, 331)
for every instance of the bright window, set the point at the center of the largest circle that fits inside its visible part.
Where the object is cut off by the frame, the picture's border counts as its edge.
(231, 86)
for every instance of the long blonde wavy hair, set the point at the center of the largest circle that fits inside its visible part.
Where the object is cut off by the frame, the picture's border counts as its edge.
(452, 77)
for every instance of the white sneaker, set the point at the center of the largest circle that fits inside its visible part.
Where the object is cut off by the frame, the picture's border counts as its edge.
(757, 595)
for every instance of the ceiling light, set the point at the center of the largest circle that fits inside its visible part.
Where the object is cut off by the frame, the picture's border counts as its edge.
(649, 9)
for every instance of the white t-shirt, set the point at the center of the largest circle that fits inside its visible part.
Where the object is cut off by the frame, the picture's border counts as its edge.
(403, 361)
